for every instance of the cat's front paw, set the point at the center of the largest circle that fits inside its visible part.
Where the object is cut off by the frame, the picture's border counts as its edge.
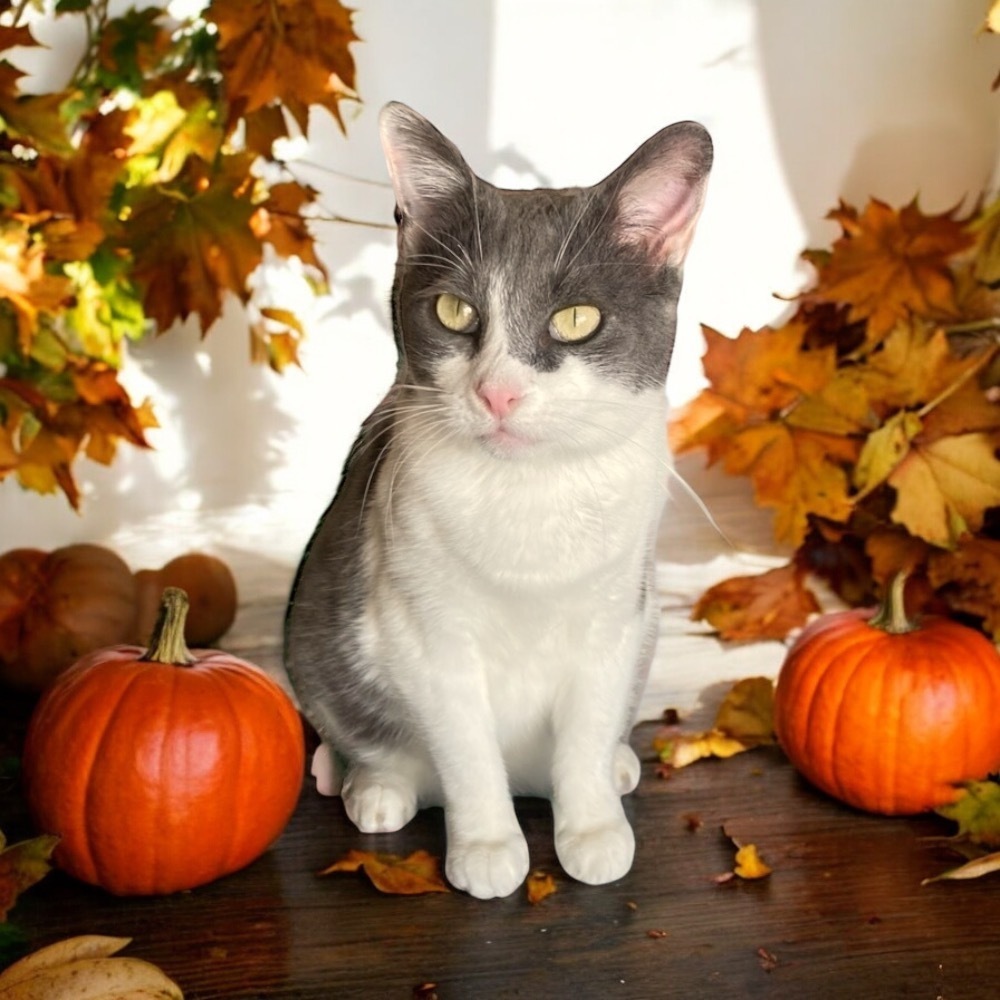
(487, 869)
(376, 804)
(599, 854)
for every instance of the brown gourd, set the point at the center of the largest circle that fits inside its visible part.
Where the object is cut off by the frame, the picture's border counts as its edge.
(57, 606)
(211, 591)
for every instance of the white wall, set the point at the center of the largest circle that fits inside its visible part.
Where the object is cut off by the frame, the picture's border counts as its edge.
(808, 100)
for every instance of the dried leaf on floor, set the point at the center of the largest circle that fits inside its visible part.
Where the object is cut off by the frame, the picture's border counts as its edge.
(744, 720)
(414, 875)
(681, 749)
(985, 865)
(747, 711)
(749, 864)
(540, 885)
(977, 813)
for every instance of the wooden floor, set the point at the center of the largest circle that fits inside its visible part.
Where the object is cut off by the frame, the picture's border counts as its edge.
(842, 915)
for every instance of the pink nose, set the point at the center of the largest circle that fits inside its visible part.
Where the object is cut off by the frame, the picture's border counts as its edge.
(498, 399)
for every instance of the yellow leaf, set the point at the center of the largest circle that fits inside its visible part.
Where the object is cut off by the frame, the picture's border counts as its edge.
(749, 864)
(747, 711)
(685, 748)
(944, 487)
(884, 449)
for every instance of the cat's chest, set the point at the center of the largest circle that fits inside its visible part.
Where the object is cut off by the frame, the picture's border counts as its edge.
(526, 525)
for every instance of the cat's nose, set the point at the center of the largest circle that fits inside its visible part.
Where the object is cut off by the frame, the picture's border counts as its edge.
(498, 398)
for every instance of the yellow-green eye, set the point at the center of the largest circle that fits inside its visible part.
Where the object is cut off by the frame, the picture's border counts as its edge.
(574, 323)
(456, 314)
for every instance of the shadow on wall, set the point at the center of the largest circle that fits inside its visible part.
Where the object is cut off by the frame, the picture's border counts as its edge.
(918, 64)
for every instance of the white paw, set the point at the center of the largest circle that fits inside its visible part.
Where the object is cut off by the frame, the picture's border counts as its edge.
(487, 869)
(378, 805)
(626, 769)
(598, 855)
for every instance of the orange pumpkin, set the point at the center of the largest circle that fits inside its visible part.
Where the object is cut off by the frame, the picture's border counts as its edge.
(887, 715)
(56, 607)
(162, 770)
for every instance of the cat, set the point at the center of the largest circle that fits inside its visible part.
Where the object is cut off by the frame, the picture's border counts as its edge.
(475, 614)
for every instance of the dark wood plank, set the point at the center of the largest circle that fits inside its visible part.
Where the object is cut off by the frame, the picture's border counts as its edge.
(843, 914)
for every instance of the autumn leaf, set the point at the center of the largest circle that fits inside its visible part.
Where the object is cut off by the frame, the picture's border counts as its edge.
(21, 866)
(749, 864)
(681, 749)
(944, 487)
(889, 265)
(539, 885)
(986, 864)
(280, 222)
(968, 578)
(796, 472)
(977, 812)
(744, 720)
(190, 250)
(765, 606)
(765, 370)
(287, 51)
(747, 711)
(410, 876)
(25, 284)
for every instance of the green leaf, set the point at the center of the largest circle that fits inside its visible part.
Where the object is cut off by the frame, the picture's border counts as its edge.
(977, 813)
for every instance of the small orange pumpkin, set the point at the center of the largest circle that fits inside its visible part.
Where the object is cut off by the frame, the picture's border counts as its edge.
(162, 770)
(55, 607)
(887, 715)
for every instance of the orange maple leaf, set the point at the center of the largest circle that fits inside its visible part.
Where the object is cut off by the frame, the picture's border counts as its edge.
(889, 265)
(766, 606)
(284, 50)
(797, 472)
(190, 250)
(413, 875)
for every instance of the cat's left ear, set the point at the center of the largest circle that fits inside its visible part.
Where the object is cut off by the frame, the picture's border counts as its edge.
(427, 170)
(660, 189)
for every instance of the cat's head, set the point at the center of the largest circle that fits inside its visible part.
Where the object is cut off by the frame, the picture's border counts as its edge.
(544, 318)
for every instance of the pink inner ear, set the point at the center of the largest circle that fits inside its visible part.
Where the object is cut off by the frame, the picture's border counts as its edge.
(659, 213)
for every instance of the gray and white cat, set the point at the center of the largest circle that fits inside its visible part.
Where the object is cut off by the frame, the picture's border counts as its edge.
(475, 614)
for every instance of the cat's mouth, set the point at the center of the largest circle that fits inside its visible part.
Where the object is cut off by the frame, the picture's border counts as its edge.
(504, 442)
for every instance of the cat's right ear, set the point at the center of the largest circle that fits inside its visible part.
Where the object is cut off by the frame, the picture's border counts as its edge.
(425, 167)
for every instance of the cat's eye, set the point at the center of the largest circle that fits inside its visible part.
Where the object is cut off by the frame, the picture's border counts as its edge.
(456, 314)
(575, 323)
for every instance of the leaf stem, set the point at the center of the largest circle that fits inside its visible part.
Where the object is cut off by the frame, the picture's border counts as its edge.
(166, 644)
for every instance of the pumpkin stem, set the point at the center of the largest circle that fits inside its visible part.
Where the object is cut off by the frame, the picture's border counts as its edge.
(891, 616)
(166, 644)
